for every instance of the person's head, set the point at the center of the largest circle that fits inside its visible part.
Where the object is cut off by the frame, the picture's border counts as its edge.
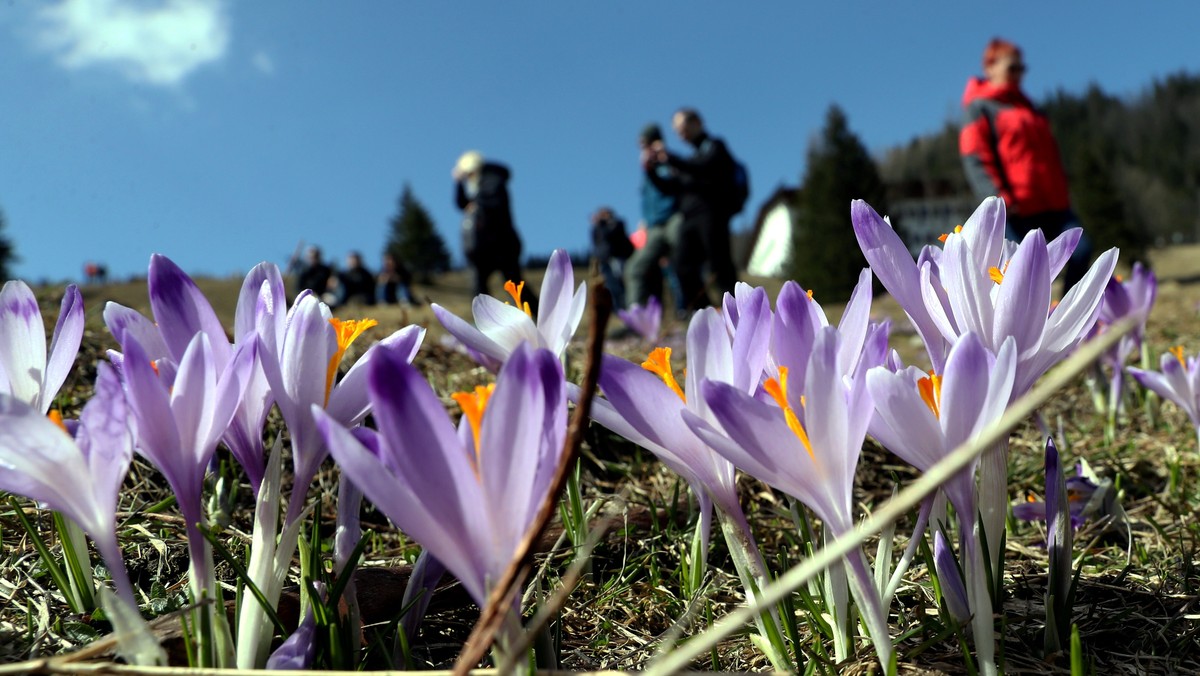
(353, 260)
(468, 165)
(1003, 63)
(312, 254)
(650, 134)
(601, 215)
(687, 123)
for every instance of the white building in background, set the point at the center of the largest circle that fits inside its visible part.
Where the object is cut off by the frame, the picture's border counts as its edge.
(770, 244)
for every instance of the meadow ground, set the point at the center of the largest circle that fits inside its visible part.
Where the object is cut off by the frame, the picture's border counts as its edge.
(1136, 610)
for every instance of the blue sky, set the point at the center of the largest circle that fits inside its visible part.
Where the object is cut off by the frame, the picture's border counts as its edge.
(224, 133)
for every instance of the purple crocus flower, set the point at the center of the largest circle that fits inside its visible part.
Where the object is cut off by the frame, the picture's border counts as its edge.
(1178, 381)
(807, 445)
(645, 404)
(982, 284)
(79, 477)
(179, 418)
(500, 327)
(181, 311)
(1133, 297)
(644, 321)
(26, 371)
(922, 418)
(467, 495)
(1079, 490)
(302, 371)
(950, 578)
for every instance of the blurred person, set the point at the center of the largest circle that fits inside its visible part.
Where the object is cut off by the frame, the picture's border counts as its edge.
(611, 248)
(700, 184)
(490, 240)
(356, 284)
(1008, 150)
(661, 220)
(312, 273)
(394, 281)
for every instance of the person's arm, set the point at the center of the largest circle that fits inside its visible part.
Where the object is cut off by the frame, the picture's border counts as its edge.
(977, 143)
(704, 169)
(460, 195)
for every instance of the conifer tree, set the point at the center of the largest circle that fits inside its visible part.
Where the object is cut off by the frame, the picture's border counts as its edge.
(414, 239)
(825, 253)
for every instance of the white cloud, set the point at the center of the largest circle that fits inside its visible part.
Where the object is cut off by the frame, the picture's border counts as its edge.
(156, 42)
(263, 63)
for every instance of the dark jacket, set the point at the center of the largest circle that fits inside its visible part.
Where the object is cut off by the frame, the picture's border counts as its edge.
(1028, 173)
(698, 181)
(491, 232)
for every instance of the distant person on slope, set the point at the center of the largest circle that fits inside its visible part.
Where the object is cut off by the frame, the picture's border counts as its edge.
(659, 229)
(700, 183)
(490, 240)
(611, 248)
(1009, 150)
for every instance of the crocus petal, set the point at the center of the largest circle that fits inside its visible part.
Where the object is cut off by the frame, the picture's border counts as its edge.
(158, 436)
(892, 264)
(505, 324)
(508, 439)
(1077, 311)
(903, 423)
(968, 289)
(1061, 248)
(855, 319)
(951, 579)
(984, 232)
(423, 443)
(181, 310)
(348, 401)
(121, 320)
(262, 295)
(644, 402)
(468, 335)
(22, 342)
(557, 316)
(106, 438)
(1024, 296)
(709, 356)
(40, 461)
(64, 346)
(752, 338)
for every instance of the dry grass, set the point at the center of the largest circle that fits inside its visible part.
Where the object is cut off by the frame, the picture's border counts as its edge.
(1134, 617)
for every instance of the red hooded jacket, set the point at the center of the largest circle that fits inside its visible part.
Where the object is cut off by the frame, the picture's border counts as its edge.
(1008, 150)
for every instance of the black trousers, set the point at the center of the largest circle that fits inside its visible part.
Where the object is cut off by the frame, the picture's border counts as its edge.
(703, 239)
(1052, 224)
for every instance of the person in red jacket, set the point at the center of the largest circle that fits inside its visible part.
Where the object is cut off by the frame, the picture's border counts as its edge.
(1009, 150)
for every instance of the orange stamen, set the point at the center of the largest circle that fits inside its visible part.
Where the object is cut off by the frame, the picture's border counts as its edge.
(809, 294)
(943, 238)
(778, 391)
(515, 290)
(1120, 278)
(347, 330)
(997, 274)
(931, 392)
(55, 417)
(658, 362)
(473, 405)
(1178, 352)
